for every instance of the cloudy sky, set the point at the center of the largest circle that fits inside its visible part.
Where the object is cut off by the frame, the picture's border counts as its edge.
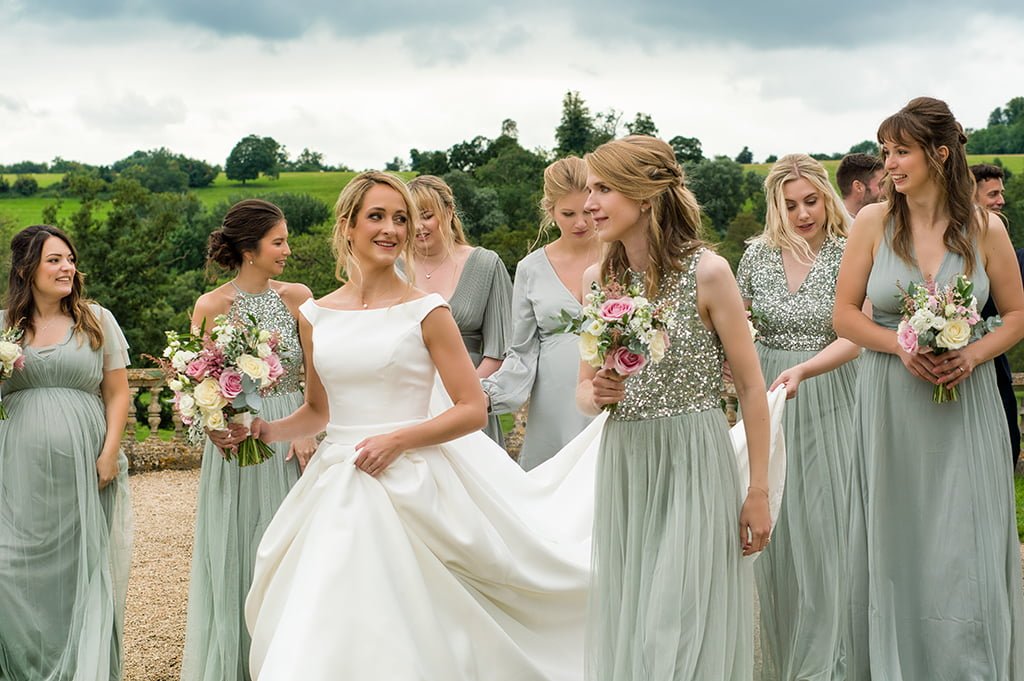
(363, 81)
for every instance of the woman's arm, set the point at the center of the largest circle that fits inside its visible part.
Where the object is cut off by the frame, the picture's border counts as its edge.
(116, 398)
(497, 319)
(508, 388)
(835, 354)
(721, 308)
(467, 414)
(294, 295)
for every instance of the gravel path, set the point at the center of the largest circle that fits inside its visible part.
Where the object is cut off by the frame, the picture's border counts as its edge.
(165, 505)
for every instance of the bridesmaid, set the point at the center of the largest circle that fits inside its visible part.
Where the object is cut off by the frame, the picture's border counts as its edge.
(934, 555)
(65, 512)
(473, 280)
(236, 504)
(787, 277)
(541, 362)
(670, 598)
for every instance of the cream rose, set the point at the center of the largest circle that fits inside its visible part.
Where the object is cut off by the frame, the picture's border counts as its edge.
(9, 352)
(263, 350)
(214, 420)
(253, 367)
(208, 396)
(658, 345)
(176, 385)
(187, 405)
(595, 327)
(181, 358)
(589, 349)
(954, 335)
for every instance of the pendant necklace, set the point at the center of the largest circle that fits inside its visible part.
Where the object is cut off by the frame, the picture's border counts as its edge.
(436, 268)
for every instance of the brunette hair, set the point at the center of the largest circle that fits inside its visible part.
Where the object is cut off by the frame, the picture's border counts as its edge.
(928, 123)
(858, 167)
(346, 212)
(644, 168)
(244, 225)
(778, 233)
(987, 171)
(26, 255)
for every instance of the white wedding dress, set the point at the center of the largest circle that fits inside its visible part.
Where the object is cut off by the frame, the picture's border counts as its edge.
(452, 565)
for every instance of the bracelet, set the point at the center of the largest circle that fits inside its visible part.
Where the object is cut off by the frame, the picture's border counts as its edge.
(759, 489)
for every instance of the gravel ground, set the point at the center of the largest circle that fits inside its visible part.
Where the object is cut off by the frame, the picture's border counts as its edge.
(165, 505)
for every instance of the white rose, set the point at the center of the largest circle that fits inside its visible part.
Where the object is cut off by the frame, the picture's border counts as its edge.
(175, 385)
(954, 335)
(9, 352)
(214, 420)
(253, 367)
(187, 405)
(589, 349)
(181, 358)
(658, 345)
(595, 327)
(264, 336)
(263, 350)
(949, 311)
(639, 302)
(208, 395)
(923, 320)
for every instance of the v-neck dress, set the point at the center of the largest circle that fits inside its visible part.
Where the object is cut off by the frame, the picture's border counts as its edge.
(935, 568)
(542, 363)
(481, 306)
(65, 544)
(799, 576)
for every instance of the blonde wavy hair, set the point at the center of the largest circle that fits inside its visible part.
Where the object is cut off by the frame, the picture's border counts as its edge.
(346, 212)
(644, 168)
(433, 195)
(563, 177)
(778, 232)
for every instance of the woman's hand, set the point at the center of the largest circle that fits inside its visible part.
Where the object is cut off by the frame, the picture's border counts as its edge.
(755, 522)
(791, 377)
(227, 440)
(107, 468)
(920, 364)
(375, 454)
(609, 387)
(954, 367)
(302, 450)
(263, 430)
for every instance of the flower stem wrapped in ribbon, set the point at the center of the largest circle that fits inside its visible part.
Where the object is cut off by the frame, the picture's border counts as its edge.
(12, 358)
(938, 321)
(221, 377)
(619, 329)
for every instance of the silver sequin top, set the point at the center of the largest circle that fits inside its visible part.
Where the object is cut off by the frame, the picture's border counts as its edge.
(273, 315)
(689, 378)
(791, 321)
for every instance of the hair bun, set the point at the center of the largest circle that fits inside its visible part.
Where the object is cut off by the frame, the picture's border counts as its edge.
(220, 250)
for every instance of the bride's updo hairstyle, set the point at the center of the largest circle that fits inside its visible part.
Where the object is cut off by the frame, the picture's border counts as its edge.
(244, 225)
(778, 233)
(644, 168)
(433, 195)
(563, 177)
(928, 123)
(346, 211)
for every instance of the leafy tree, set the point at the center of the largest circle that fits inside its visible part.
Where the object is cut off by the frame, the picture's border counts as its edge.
(643, 124)
(83, 183)
(158, 171)
(687, 149)
(741, 228)
(308, 161)
(606, 128)
(516, 175)
(575, 132)
(5, 186)
(468, 156)
(479, 206)
(869, 147)
(312, 262)
(745, 156)
(1011, 114)
(429, 162)
(303, 212)
(200, 173)
(772, 158)
(27, 168)
(509, 128)
(719, 188)
(252, 156)
(396, 165)
(25, 185)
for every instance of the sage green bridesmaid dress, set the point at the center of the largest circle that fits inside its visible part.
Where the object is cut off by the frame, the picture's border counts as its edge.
(235, 506)
(65, 544)
(935, 560)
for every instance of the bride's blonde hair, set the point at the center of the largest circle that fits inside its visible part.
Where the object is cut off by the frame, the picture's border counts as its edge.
(346, 211)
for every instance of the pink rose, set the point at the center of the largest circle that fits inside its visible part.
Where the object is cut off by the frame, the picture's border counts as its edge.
(624, 362)
(230, 383)
(196, 369)
(616, 309)
(20, 362)
(906, 337)
(274, 364)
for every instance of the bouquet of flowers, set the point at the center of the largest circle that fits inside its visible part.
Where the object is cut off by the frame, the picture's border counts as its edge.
(619, 329)
(221, 377)
(12, 357)
(941, 320)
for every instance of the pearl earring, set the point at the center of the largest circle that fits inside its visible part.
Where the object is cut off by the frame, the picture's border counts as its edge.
(250, 262)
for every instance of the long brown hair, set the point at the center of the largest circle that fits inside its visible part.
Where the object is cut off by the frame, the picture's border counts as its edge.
(928, 123)
(644, 168)
(26, 254)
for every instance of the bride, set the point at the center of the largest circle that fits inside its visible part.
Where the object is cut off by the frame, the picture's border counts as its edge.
(413, 547)
(396, 556)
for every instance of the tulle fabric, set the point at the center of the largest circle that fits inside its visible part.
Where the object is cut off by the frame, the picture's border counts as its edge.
(235, 506)
(800, 577)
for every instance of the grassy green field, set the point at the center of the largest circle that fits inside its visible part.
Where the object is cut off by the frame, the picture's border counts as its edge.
(324, 186)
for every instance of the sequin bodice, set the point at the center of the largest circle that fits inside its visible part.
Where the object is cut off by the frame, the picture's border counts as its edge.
(801, 320)
(689, 378)
(273, 315)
